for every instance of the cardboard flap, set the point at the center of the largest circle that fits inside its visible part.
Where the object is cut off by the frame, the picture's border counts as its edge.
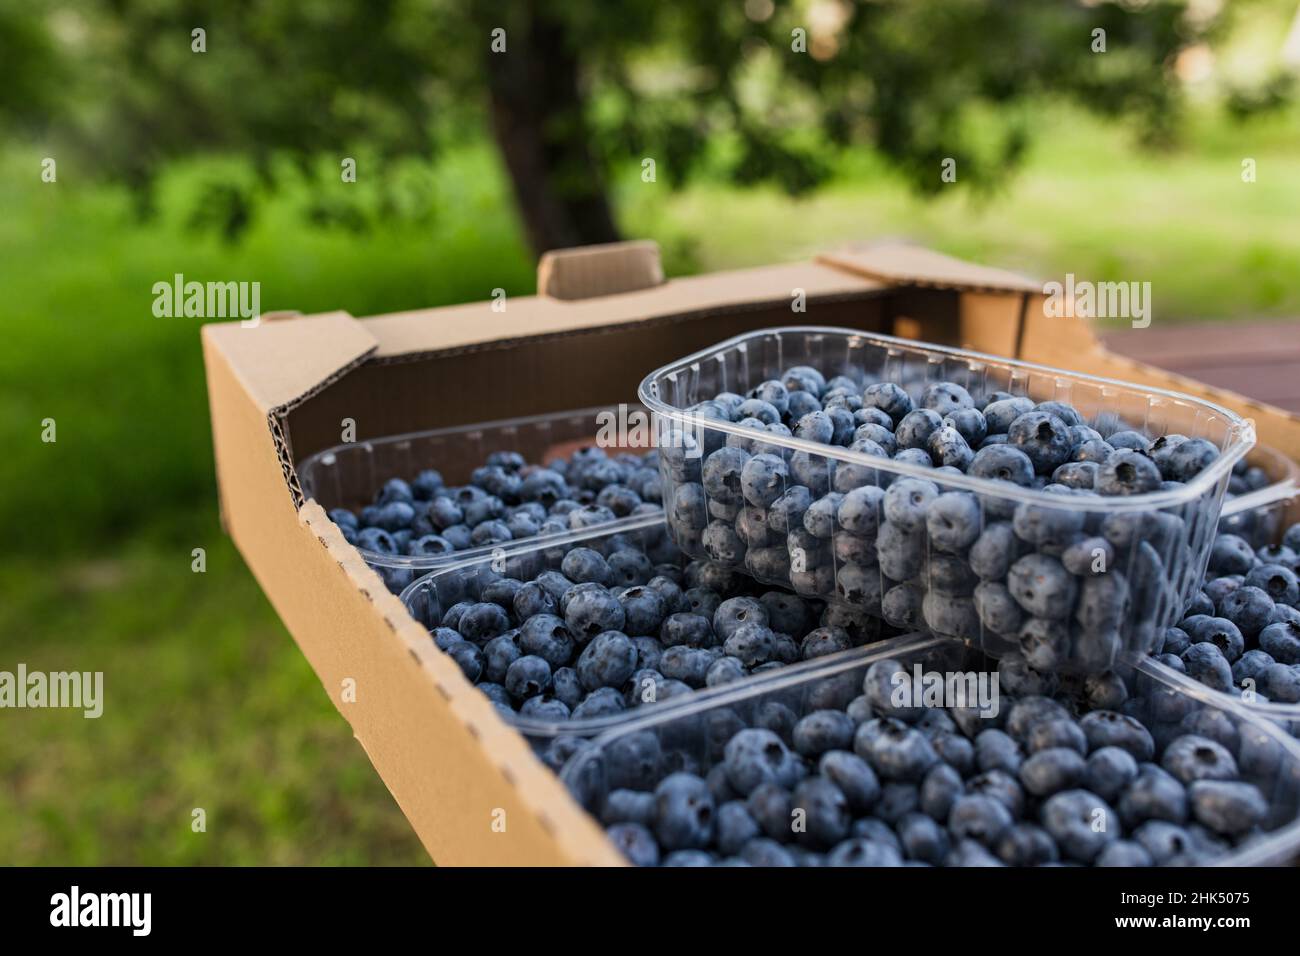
(590, 271)
(453, 327)
(280, 362)
(903, 264)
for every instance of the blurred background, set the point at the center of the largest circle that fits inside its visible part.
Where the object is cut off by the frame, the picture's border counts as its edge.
(210, 139)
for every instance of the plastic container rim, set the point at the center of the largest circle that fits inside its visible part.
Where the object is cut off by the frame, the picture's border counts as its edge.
(1241, 431)
(306, 477)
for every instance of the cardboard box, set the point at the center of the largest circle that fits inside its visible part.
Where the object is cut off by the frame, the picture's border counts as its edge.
(280, 391)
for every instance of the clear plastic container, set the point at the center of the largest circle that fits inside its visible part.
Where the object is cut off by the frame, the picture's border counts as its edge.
(693, 737)
(1284, 715)
(428, 598)
(916, 573)
(1261, 516)
(348, 476)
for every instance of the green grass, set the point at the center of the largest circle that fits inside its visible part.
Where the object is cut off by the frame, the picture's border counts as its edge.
(208, 701)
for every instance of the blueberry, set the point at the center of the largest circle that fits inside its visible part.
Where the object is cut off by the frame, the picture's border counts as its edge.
(953, 521)
(907, 501)
(1106, 728)
(468, 658)
(978, 817)
(1043, 437)
(527, 677)
(1001, 786)
(787, 511)
(786, 613)
(721, 473)
(1276, 580)
(1227, 807)
(1082, 823)
(643, 611)
(1281, 642)
(1002, 413)
(724, 670)
(1252, 664)
(1052, 770)
(1042, 586)
(690, 665)
(940, 790)
(923, 838)
(684, 812)
(997, 609)
(916, 427)
(997, 750)
(603, 702)
(734, 827)
(583, 565)
(1190, 458)
(547, 637)
(764, 479)
(822, 731)
(482, 622)
(1281, 683)
(953, 615)
(823, 641)
(900, 552)
(751, 643)
(1221, 631)
(1025, 844)
(895, 751)
(498, 654)
(1127, 472)
(994, 551)
(1153, 795)
(376, 540)
(533, 599)
(733, 613)
(1192, 757)
(566, 687)
(1124, 853)
(970, 423)
(693, 630)
(1204, 662)
(635, 842)
(901, 606)
(608, 661)
(755, 756)
(1230, 555)
(1087, 557)
(545, 707)
(590, 609)
(444, 637)
(889, 398)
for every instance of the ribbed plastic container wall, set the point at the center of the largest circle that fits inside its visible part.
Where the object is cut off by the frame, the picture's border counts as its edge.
(1161, 539)
(640, 753)
(1261, 516)
(428, 599)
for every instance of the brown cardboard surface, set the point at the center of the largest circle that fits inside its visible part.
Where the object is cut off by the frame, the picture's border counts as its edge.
(449, 760)
(904, 264)
(278, 393)
(591, 271)
(405, 333)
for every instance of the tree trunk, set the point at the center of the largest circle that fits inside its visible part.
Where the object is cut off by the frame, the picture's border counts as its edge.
(541, 130)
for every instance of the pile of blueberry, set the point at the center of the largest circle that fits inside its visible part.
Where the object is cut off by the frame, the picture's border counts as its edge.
(605, 628)
(842, 774)
(1241, 631)
(506, 499)
(1258, 525)
(1069, 587)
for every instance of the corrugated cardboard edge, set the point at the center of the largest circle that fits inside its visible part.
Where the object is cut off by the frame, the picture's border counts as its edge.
(899, 263)
(479, 325)
(590, 271)
(455, 766)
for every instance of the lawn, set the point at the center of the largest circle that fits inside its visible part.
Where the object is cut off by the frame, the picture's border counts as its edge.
(208, 702)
